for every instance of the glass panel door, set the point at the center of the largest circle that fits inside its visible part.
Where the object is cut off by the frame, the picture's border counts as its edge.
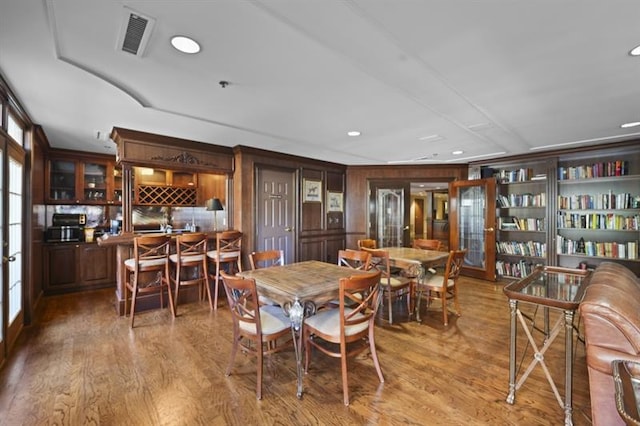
(390, 217)
(472, 218)
(13, 244)
(389, 213)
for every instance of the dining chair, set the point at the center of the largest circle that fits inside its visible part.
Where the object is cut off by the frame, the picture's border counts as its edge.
(367, 243)
(260, 330)
(443, 287)
(190, 265)
(266, 259)
(148, 271)
(393, 285)
(427, 244)
(227, 254)
(351, 326)
(354, 259)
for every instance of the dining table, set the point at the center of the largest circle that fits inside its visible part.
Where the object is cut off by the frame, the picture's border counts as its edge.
(299, 288)
(415, 262)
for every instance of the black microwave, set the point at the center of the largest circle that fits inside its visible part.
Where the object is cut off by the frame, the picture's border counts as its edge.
(64, 233)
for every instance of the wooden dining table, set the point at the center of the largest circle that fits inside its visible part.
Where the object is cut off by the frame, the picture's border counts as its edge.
(402, 257)
(415, 262)
(300, 288)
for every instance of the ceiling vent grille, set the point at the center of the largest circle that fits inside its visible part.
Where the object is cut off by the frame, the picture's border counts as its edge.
(135, 32)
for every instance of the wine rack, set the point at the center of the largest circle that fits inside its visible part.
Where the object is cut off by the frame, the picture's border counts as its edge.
(165, 195)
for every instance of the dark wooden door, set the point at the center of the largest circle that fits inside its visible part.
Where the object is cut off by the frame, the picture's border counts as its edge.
(418, 217)
(275, 208)
(472, 217)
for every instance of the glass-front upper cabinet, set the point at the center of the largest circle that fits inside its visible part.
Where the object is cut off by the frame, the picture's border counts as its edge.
(62, 181)
(95, 182)
(72, 181)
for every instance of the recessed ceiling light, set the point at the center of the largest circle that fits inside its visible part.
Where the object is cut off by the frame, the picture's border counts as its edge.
(631, 124)
(458, 152)
(185, 44)
(353, 133)
(635, 51)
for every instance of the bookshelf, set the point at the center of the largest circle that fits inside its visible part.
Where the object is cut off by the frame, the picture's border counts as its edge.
(598, 209)
(521, 216)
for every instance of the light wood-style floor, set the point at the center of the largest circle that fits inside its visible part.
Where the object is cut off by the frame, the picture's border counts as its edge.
(81, 364)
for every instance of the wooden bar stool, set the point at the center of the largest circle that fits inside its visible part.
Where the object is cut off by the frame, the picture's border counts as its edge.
(227, 254)
(150, 254)
(190, 265)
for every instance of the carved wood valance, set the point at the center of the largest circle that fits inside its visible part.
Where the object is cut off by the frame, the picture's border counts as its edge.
(136, 148)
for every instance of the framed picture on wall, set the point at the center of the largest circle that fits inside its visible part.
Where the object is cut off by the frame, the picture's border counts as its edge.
(311, 191)
(334, 201)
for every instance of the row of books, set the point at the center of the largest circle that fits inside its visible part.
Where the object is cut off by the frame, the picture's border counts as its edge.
(515, 269)
(609, 201)
(513, 223)
(628, 250)
(522, 248)
(596, 170)
(518, 175)
(598, 221)
(522, 200)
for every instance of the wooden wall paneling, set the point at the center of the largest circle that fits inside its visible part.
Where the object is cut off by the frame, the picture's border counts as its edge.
(335, 186)
(311, 234)
(212, 186)
(312, 212)
(35, 261)
(357, 182)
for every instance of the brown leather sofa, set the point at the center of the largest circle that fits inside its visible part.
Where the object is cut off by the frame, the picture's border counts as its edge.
(610, 311)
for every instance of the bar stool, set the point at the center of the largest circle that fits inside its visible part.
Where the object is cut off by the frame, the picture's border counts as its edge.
(227, 254)
(150, 254)
(190, 265)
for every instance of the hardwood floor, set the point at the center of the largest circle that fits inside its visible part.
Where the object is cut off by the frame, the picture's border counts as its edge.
(81, 364)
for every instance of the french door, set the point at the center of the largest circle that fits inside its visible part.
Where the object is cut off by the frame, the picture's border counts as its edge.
(472, 218)
(11, 231)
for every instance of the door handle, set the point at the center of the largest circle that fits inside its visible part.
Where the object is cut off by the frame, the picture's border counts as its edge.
(6, 259)
(288, 229)
(406, 228)
(488, 229)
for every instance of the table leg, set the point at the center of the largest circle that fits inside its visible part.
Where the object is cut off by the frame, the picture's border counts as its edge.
(297, 311)
(511, 397)
(568, 348)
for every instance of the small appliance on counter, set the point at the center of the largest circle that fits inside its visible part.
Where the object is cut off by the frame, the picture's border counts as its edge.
(66, 227)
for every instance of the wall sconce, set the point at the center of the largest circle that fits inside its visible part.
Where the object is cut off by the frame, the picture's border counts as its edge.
(214, 205)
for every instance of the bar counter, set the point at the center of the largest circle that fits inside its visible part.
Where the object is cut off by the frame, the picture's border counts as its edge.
(124, 251)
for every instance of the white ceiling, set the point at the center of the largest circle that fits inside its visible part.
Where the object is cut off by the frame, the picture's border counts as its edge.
(490, 78)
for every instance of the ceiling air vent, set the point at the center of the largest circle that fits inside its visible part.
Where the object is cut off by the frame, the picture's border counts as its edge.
(135, 32)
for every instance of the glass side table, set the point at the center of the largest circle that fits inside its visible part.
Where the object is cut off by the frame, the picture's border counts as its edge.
(551, 288)
(626, 379)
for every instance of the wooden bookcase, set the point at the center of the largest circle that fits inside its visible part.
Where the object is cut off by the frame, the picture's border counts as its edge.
(575, 208)
(522, 211)
(598, 209)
